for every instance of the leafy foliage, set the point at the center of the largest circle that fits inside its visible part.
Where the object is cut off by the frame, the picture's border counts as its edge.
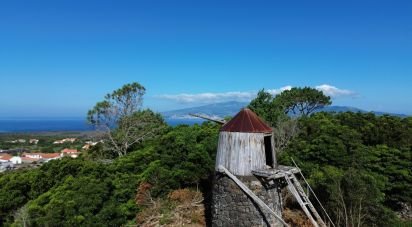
(82, 192)
(120, 116)
(302, 101)
(283, 110)
(294, 102)
(358, 176)
(359, 165)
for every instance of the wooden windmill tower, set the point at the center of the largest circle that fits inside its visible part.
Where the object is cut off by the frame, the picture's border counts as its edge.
(246, 190)
(245, 144)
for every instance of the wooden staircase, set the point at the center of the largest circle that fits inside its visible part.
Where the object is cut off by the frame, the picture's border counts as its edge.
(288, 174)
(297, 191)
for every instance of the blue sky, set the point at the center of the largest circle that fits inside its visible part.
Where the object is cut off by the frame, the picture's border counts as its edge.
(58, 58)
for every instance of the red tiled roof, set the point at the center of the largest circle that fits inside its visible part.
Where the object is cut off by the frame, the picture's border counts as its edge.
(69, 151)
(5, 156)
(31, 153)
(246, 121)
(42, 155)
(29, 159)
(50, 155)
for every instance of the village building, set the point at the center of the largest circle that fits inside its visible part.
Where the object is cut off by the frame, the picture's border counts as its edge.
(33, 141)
(51, 156)
(32, 155)
(41, 157)
(18, 141)
(28, 160)
(16, 160)
(4, 157)
(66, 140)
(89, 144)
(5, 162)
(70, 152)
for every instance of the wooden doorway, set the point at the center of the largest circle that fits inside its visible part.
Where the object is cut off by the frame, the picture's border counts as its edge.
(269, 151)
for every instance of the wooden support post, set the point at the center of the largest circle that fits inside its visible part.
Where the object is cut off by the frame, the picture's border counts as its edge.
(275, 159)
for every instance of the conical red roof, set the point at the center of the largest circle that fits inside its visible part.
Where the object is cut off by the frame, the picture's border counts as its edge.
(246, 121)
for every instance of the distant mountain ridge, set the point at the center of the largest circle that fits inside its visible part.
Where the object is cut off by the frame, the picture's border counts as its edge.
(339, 109)
(224, 109)
(215, 110)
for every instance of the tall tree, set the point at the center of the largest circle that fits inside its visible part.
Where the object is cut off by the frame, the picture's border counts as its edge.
(301, 101)
(276, 110)
(121, 118)
(264, 105)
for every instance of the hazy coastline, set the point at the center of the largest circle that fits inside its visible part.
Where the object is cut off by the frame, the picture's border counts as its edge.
(60, 125)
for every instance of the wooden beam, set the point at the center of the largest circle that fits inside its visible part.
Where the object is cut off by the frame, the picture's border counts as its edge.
(272, 141)
(219, 121)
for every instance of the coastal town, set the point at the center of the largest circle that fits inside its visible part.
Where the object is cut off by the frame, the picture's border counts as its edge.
(19, 157)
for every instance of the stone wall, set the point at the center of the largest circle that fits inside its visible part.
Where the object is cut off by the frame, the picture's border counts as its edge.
(232, 207)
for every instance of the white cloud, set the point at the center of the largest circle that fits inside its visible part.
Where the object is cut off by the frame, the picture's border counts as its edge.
(333, 91)
(279, 90)
(211, 97)
(245, 96)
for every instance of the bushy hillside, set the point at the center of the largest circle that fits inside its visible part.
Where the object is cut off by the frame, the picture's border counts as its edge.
(84, 192)
(357, 163)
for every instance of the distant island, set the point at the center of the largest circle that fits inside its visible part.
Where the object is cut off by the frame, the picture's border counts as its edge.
(173, 118)
(225, 109)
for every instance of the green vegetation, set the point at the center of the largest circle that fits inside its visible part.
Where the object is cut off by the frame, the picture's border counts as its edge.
(296, 101)
(359, 165)
(120, 117)
(45, 141)
(73, 192)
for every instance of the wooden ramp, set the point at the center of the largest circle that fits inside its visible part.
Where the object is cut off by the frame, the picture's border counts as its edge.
(294, 187)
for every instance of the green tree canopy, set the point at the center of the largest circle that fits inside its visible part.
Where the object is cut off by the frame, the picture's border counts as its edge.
(277, 110)
(301, 101)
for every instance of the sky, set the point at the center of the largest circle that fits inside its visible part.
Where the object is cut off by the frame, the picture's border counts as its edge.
(58, 58)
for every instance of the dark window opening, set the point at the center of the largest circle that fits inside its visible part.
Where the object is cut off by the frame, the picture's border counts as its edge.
(268, 151)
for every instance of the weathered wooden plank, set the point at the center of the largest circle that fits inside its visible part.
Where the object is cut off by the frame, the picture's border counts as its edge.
(241, 152)
(272, 141)
(275, 173)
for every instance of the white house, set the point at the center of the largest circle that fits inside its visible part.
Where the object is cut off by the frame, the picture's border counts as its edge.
(70, 152)
(16, 160)
(33, 141)
(33, 155)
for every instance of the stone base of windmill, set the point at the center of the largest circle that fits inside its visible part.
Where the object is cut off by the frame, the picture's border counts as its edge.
(232, 207)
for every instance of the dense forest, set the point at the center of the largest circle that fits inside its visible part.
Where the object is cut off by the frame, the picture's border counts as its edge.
(86, 192)
(359, 165)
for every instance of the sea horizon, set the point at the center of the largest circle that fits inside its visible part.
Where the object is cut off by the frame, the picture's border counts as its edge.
(20, 125)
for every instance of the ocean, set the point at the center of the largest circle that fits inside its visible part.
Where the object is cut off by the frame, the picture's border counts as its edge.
(54, 125)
